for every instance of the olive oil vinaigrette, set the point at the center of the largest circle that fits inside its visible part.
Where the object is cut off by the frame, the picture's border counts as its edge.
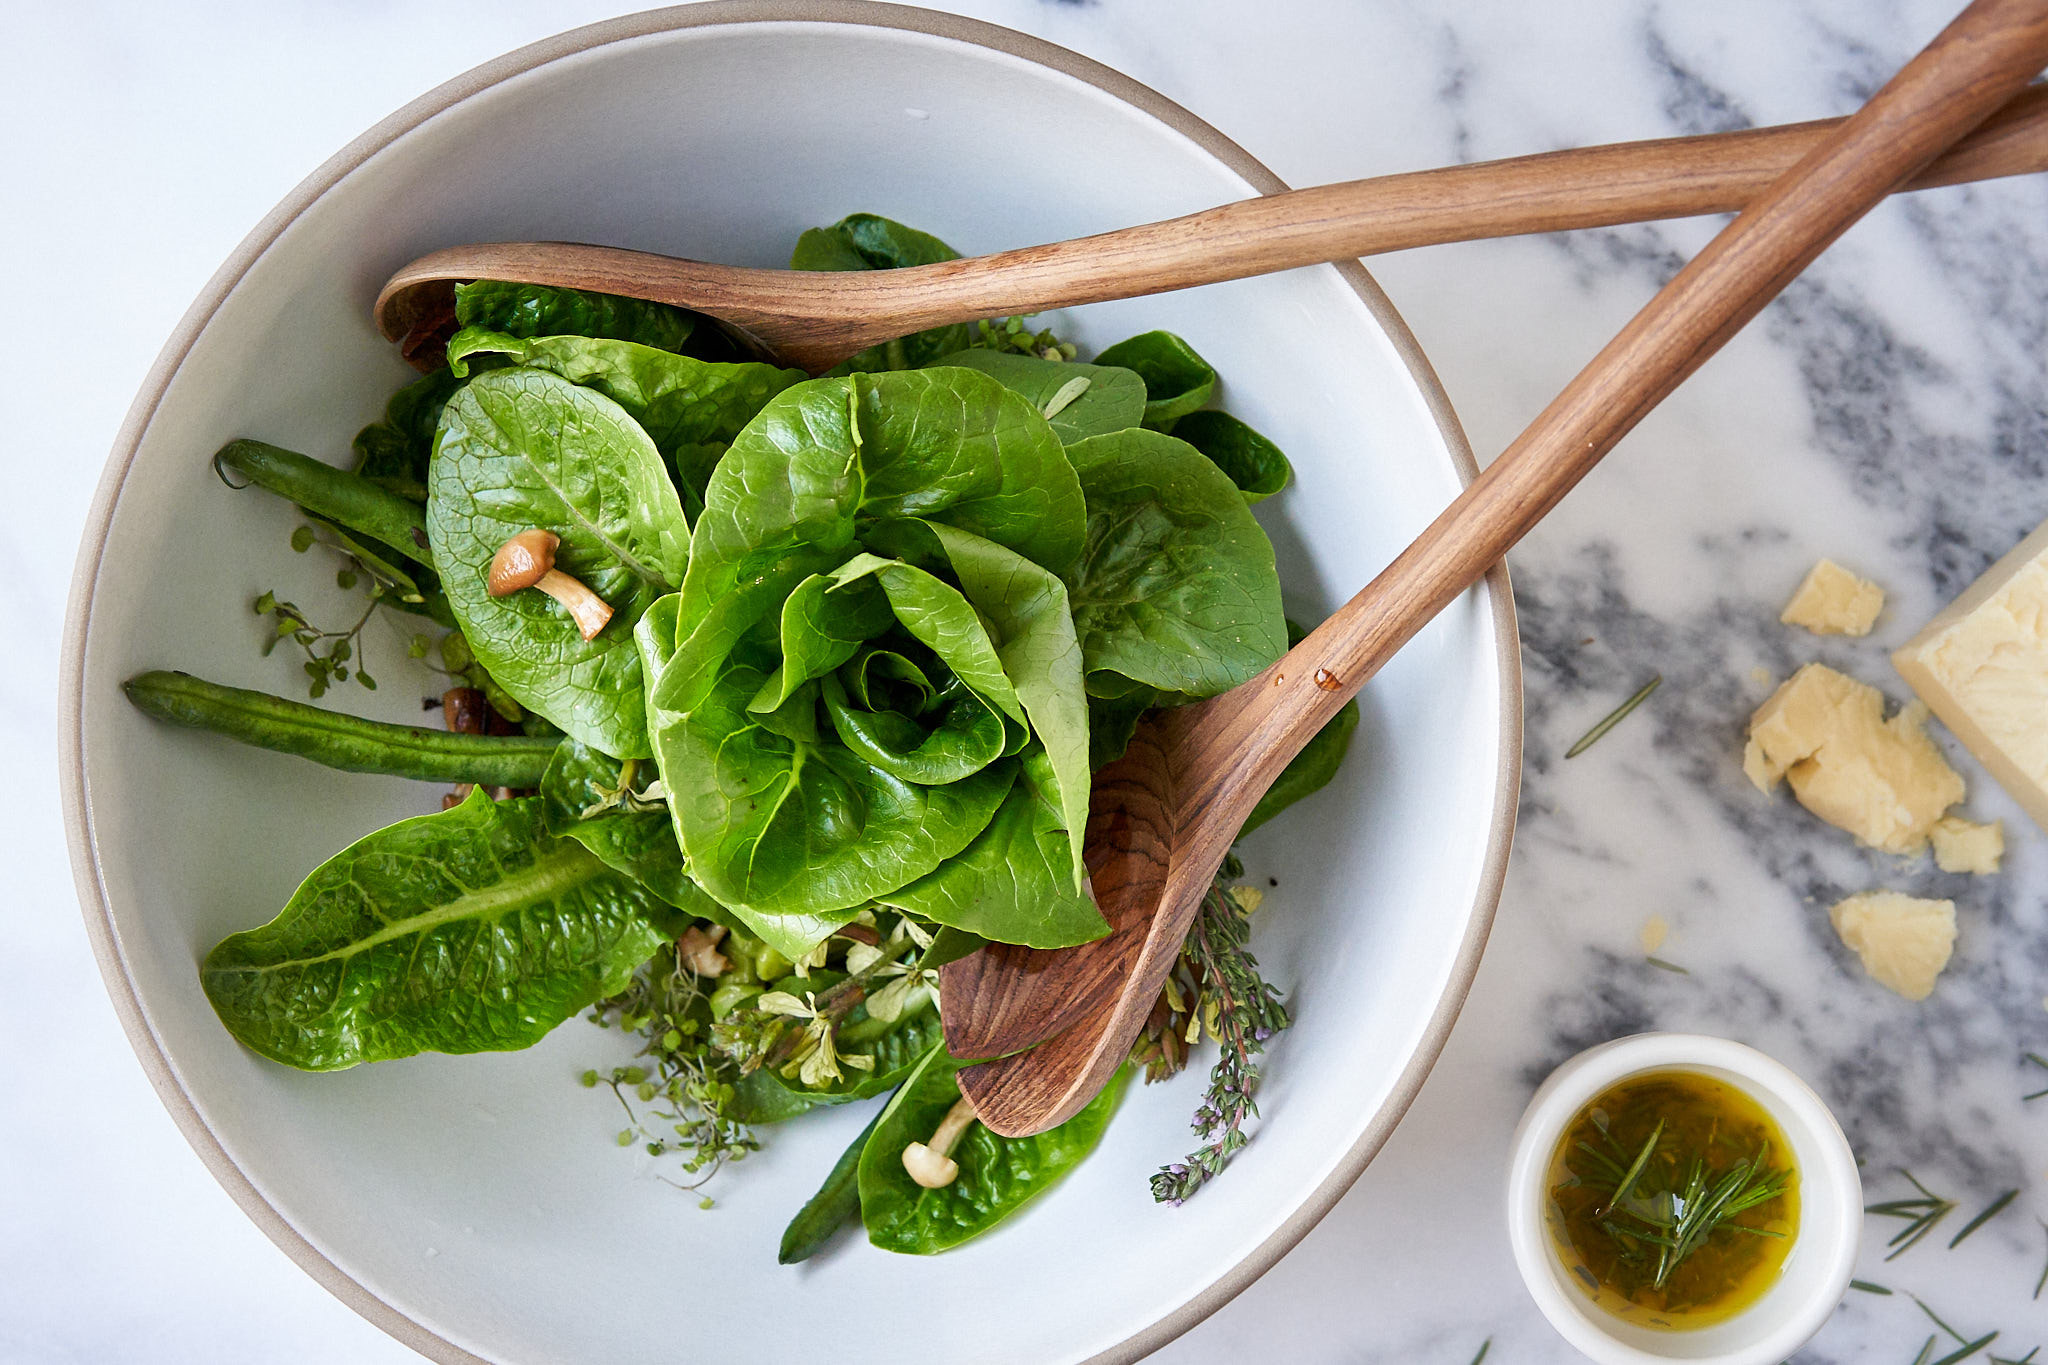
(1673, 1200)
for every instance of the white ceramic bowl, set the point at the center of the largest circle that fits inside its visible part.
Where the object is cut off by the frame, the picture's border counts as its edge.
(475, 1207)
(1823, 1254)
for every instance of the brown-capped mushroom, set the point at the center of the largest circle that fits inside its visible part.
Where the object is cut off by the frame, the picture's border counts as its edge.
(931, 1164)
(697, 949)
(527, 560)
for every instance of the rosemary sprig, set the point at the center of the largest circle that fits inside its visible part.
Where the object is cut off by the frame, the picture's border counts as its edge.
(1676, 1221)
(1240, 1011)
(1614, 718)
(1921, 1216)
(1996, 1207)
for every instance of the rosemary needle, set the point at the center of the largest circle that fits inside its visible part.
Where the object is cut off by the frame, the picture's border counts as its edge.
(1967, 1349)
(1484, 1347)
(1662, 965)
(1868, 1288)
(2042, 1283)
(1614, 718)
(1981, 1219)
(1635, 1172)
(1935, 1318)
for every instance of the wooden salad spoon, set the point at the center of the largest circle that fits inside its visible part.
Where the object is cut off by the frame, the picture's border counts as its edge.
(815, 319)
(1164, 816)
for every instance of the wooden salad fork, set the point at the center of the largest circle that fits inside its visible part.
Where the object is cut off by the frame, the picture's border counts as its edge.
(1165, 815)
(815, 319)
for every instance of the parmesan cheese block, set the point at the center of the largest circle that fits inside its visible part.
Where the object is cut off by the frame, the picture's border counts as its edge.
(1965, 846)
(1904, 941)
(1982, 665)
(1881, 780)
(1833, 601)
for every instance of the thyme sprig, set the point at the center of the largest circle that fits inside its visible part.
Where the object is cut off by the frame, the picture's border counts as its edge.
(1920, 1215)
(1216, 988)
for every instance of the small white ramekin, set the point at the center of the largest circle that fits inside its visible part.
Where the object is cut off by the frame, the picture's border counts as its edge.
(1823, 1254)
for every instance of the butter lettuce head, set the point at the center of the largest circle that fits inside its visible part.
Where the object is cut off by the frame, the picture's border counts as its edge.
(872, 655)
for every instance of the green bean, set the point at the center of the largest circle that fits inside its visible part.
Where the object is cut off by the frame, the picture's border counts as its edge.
(356, 503)
(338, 741)
(836, 1202)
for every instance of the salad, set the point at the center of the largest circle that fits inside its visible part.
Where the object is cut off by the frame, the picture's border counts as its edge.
(769, 695)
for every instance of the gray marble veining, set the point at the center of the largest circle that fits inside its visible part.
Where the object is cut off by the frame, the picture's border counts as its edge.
(1890, 411)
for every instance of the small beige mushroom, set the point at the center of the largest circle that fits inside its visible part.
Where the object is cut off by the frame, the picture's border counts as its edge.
(698, 950)
(931, 1164)
(527, 560)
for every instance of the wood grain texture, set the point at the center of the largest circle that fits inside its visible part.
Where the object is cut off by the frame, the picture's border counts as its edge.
(1128, 843)
(816, 319)
(1223, 753)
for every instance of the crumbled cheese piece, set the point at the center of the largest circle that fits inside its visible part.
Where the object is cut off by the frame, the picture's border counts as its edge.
(1965, 846)
(1655, 930)
(1833, 601)
(1881, 780)
(1904, 941)
(1983, 666)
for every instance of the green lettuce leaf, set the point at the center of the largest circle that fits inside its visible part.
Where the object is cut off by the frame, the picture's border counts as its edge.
(467, 931)
(1109, 399)
(1177, 381)
(1253, 463)
(538, 310)
(1177, 589)
(523, 448)
(867, 241)
(691, 408)
(998, 1175)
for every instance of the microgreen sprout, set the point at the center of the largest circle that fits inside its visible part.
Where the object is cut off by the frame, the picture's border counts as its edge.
(688, 1086)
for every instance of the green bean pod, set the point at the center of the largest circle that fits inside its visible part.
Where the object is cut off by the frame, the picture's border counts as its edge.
(836, 1203)
(355, 503)
(338, 741)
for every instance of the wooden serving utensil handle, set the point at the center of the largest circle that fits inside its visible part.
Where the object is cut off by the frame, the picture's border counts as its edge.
(1222, 755)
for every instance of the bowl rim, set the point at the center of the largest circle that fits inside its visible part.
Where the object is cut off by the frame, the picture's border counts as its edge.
(78, 823)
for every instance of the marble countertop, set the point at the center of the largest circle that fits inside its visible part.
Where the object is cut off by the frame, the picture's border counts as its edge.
(1891, 411)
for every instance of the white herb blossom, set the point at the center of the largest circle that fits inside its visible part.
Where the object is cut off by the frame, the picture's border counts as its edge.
(817, 1058)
